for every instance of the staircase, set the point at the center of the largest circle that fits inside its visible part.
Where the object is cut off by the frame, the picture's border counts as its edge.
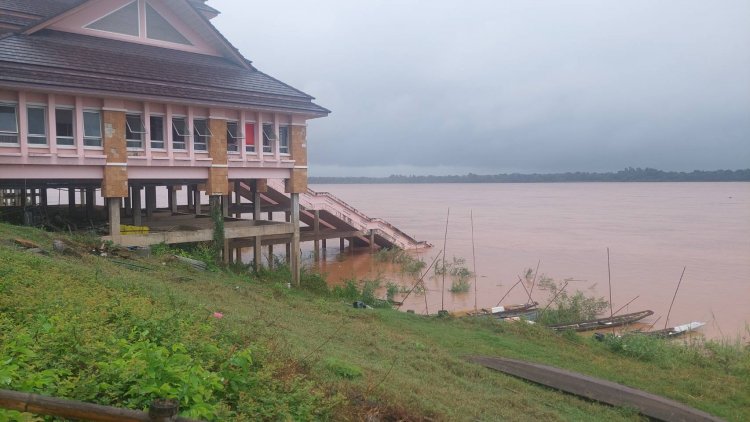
(337, 215)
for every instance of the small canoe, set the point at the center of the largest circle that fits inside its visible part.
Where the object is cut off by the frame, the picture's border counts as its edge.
(507, 311)
(676, 330)
(600, 323)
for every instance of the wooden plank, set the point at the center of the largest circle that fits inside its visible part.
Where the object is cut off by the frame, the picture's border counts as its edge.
(608, 392)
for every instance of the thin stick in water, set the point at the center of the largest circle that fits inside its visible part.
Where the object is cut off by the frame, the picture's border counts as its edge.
(445, 242)
(509, 290)
(474, 259)
(420, 281)
(623, 306)
(674, 297)
(533, 283)
(609, 279)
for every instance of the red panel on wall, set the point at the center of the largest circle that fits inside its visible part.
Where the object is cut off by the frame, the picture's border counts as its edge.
(250, 134)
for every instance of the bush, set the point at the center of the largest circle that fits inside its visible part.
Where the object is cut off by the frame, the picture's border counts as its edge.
(568, 308)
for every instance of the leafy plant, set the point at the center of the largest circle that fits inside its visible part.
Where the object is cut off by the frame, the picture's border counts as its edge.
(567, 308)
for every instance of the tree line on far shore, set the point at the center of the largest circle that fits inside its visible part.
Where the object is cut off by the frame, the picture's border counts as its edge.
(629, 174)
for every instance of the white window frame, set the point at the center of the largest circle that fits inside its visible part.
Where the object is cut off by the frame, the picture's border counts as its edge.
(101, 129)
(185, 136)
(163, 132)
(73, 124)
(271, 138)
(45, 119)
(141, 133)
(196, 134)
(288, 145)
(11, 134)
(238, 138)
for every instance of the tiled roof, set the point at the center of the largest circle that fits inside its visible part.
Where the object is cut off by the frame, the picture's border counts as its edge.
(72, 62)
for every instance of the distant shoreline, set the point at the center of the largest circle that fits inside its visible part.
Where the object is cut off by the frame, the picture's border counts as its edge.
(628, 175)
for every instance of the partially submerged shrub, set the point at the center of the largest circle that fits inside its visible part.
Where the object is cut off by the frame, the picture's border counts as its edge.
(567, 308)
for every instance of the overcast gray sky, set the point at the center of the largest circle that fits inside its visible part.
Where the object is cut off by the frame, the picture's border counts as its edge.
(495, 86)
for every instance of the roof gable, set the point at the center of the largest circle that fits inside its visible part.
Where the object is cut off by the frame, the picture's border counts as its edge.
(174, 24)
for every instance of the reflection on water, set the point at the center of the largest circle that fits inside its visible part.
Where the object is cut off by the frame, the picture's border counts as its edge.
(652, 229)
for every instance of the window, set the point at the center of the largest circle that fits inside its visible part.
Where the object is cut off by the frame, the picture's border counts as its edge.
(201, 134)
(250, 137)
(134, 131)
(92, 128)
(64, 125)
(233, 138)
(268, 137)
(284, 139)
(122, 21)
(8, 124)
(179, 132)
(157, 132)
(37, 125)
(157, 28)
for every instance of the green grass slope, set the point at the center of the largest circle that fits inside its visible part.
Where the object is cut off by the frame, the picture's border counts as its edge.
(88, 328)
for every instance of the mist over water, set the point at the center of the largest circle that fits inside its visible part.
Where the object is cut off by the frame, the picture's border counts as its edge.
(653, 230)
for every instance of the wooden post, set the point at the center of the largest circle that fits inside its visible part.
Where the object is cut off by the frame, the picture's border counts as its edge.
(190, 196)
(43, 197)
(225, 205)
(296, 258)
(257, 251)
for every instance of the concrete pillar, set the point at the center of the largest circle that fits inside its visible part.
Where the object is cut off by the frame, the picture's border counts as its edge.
(136, 201)
(351, 245)
(216, 207)
(113, 211)
(43, 197)
(257, 251)
(341, 244)
(128, 203)
(288, 246)
(237, 196)
(316, 232)
(238, 255)
(172, 198)
(225, 205)
(372, 241)
(150, 200)
(296, 263)
(323, 244)
(270, 256)
(90, 201)
(190, 196)
(197, 199)
(71, 200)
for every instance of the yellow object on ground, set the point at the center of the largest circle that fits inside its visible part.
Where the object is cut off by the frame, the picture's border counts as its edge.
(125, 229)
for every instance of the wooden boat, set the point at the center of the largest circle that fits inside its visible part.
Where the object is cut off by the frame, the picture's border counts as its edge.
(507, 311)
(599, 323)
(675, 331)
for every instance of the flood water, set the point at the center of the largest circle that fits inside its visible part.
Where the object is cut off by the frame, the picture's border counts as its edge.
(653, 231)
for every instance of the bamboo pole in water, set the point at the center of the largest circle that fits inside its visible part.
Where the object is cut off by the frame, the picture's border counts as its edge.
(533, 283)
(674, 297)
(474, 259)
(445, 242)
(609, 279)
(423, 286)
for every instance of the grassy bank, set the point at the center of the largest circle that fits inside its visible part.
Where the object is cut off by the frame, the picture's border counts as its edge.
(122, 331)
